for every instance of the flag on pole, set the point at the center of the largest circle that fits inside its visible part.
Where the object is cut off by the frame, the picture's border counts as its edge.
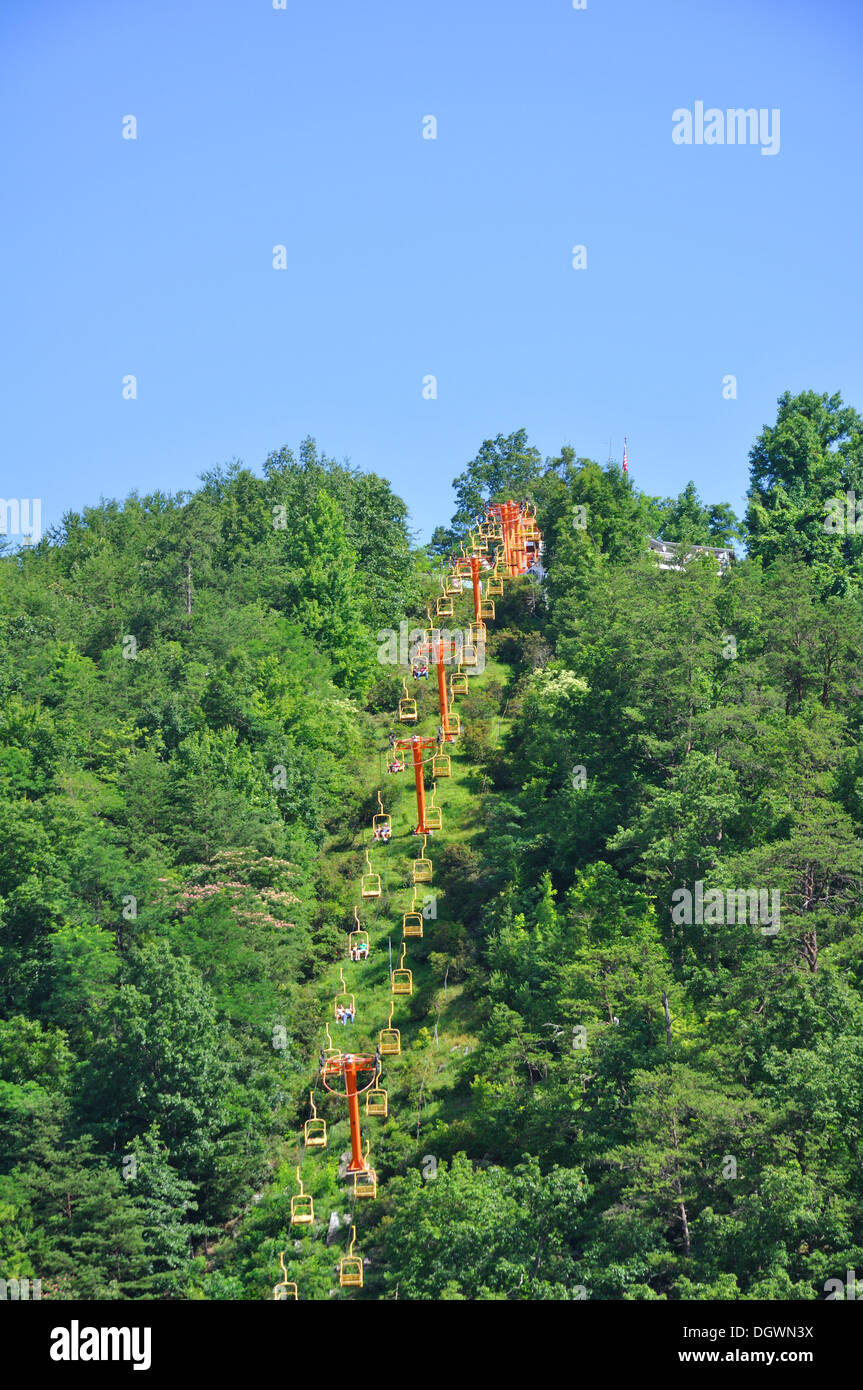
(625, 464)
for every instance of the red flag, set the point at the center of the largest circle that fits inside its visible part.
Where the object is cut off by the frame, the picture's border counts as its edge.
(625, 464)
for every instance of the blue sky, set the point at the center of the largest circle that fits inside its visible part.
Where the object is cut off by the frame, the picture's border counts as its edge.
(406, 256)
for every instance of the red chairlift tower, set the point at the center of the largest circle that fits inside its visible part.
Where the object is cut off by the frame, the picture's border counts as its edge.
(350, 1068)
(416, 744)
(437, 652)
(512, 517)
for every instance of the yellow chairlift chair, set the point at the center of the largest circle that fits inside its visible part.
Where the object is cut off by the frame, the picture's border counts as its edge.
(458, 682)
(302, 1207)
(344, 1000)
(370, 885)
(403, 980)
(477, 544)
(412, 921)
(421, 868)
(287, 1288)
(407, 707)
(389, 1038)
(351, 1266)
(382, 825)
(432, 633)
(443, 602)
(434, 819)
(377, 1100)
(357, 939)
(494, 586)
(314, 1130)
(366, 1182)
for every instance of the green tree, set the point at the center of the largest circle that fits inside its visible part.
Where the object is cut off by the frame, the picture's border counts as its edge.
(814, 453)
(324, 591)
(687, 519)
(163, 1201)
(505, 467)
(161, 1061)
(485, 1233)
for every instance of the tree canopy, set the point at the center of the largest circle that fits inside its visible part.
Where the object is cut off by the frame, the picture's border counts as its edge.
(601, 1093)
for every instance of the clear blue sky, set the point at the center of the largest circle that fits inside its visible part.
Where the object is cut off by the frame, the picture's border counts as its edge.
(407, 256)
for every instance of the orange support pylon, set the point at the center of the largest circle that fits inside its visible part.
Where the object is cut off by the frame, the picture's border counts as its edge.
(437, 653)
(349, 1067)
(520, 535)
(416, 745)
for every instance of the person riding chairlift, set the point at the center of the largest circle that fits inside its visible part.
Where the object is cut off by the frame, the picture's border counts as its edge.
(396, 766)
(362, 951)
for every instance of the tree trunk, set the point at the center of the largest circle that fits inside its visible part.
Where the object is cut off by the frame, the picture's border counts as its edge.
(687, 1247)
(810, 950)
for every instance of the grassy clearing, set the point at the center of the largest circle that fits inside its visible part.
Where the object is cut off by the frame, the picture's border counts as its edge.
(432, 1003)
(429, 1082)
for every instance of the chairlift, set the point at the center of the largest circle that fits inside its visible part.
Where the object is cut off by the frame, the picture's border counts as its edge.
(421, 868)
(389, 1038)
(382, 826)
(351, 1266)
(358, 941)
(403, 980)
(366, 1180)
(344, 995)
(302, 1207)
(370, 884)
(412, 921)
(377, 1100)
(407, 707)
(458, 682)
(287, 1288)
(315, 1129)
(433, 813)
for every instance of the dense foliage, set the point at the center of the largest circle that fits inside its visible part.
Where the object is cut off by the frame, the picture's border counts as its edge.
(616, 1103)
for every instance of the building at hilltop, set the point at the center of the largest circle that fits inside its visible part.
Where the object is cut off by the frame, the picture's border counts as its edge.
(674, 554)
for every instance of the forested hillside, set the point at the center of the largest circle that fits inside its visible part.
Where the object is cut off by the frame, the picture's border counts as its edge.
(595, 1097)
